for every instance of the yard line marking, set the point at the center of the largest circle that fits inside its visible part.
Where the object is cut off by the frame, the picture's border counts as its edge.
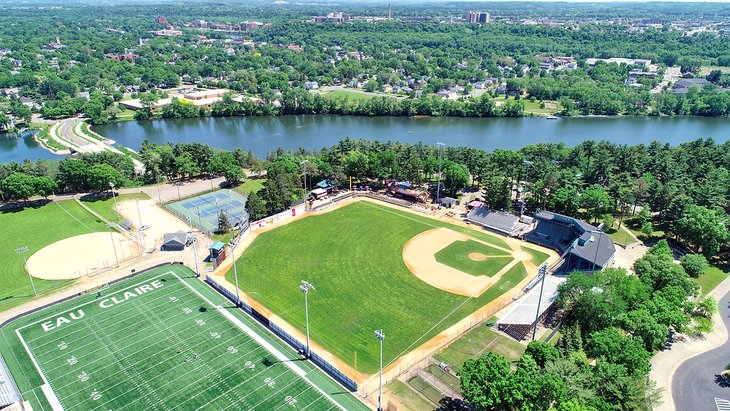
(50, 395)
(722, 404)
(259, 339)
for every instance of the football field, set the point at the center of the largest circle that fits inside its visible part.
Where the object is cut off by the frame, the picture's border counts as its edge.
(159, 341)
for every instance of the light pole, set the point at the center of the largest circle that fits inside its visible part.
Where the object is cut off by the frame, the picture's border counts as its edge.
(197, 210)
(22, 250)
(195, 244)
(543, 272)
(159, 195)
(304, 168)
(304, 287)
(441, 156)
(116, 210)
(111, 235)
(178, 191)
(380, 336)
(235, 273)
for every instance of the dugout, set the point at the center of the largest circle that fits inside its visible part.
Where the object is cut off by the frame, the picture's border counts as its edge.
(216, 249)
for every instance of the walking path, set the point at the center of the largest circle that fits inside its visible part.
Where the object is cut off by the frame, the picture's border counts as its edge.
(691, 385)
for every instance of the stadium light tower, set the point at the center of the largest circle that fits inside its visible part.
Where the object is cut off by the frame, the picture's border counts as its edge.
(441, 156)
(304, 167)
(116, 210)
(304, 287)
(22, 250)
(195, 244)
(380, 336)
(235, 273)
(542, 272)
(111, 235)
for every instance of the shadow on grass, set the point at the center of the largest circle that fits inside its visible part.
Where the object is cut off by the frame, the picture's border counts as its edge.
(18, 206)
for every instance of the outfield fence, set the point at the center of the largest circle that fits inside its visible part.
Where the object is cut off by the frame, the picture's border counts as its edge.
(325, 366)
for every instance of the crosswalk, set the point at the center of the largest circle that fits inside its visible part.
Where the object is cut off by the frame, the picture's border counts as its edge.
(722, 405)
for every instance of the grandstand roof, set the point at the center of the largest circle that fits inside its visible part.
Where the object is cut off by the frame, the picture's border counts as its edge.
(495, 220)
(586, 241)
(523, 312)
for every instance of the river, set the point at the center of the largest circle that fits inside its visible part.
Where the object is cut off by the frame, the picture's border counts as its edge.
(265, 134)
(17, 147)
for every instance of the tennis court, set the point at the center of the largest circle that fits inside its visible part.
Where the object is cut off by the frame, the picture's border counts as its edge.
(203, 210)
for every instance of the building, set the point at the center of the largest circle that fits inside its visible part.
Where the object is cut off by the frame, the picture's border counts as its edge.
(632, 62)
(499, 221)
(478, 17)
(684, 85)
(205, 94)
(583, 247)
(203, 98)
(174, 241)
(311, 85)
(161, 20)
(167, 33)
(122, 57)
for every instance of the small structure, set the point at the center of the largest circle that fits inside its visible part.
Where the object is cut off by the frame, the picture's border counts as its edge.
(405, 190)
(174, 241)
(216, 249)
(318, 193)
(448, 202)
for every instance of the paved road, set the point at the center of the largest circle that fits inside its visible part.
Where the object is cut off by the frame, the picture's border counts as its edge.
(696, 384)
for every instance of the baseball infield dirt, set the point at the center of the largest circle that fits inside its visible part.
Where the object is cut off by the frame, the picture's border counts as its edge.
(80, 255)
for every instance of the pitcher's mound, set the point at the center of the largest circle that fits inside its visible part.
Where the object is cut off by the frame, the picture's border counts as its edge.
(477, 257)
(83, 254)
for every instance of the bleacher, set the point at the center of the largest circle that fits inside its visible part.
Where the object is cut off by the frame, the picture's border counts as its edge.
(554, 235)
(8, 393)
(493, 220)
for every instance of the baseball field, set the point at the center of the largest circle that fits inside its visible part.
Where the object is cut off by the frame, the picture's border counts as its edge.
(161, 340)
(365, 269)
(36, 228)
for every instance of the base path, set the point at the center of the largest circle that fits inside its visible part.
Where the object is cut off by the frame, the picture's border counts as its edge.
(419, 254)
(80, 255)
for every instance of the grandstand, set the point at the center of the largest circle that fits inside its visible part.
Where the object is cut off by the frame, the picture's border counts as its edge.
(582, 246)
(519, 319)
(499, 221)
(8, 392)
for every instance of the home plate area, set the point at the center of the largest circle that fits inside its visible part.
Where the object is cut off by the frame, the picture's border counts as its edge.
(159, 344)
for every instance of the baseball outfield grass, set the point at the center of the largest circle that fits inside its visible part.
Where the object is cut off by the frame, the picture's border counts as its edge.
(162, 340)
(353, 256)
(35, 228)
(458, 255)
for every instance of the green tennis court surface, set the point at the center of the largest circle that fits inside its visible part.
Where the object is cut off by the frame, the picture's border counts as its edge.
(160, 341)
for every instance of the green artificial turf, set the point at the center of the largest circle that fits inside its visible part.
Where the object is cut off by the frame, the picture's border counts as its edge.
(35, 228)
(456, 255)
(175, 345)
(353, 256)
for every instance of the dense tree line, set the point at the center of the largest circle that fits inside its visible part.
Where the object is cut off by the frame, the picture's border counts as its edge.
(683, 190)
(616, 319)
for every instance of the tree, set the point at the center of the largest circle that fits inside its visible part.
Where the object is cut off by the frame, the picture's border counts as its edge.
(486, 382)
(647, 229)
(72, 175)
(694, 264)
(703, 230)
(596, 201)
(44, 186)
(255, 206)
(456, 176)
(542, 352)
(18, 186)
(99, 176)
(224, 225)
(234, 175)
(617, 348)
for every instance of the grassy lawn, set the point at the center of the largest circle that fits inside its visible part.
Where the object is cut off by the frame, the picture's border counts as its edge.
(354, 95)
(713, 276)
(620, 236)
(445, 377)
(250, 186)
(44, 137)
(705, 70)
(35, 228)
(534, 106)
(476, 342)
(538, 257)
(104, 205)
(353, 256)
(428, 390)
(456, 255)
(406, 396)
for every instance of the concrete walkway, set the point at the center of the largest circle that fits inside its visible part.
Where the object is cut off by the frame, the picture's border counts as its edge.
(690, 388)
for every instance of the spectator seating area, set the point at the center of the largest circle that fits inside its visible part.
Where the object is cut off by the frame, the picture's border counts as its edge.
(494, 220)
